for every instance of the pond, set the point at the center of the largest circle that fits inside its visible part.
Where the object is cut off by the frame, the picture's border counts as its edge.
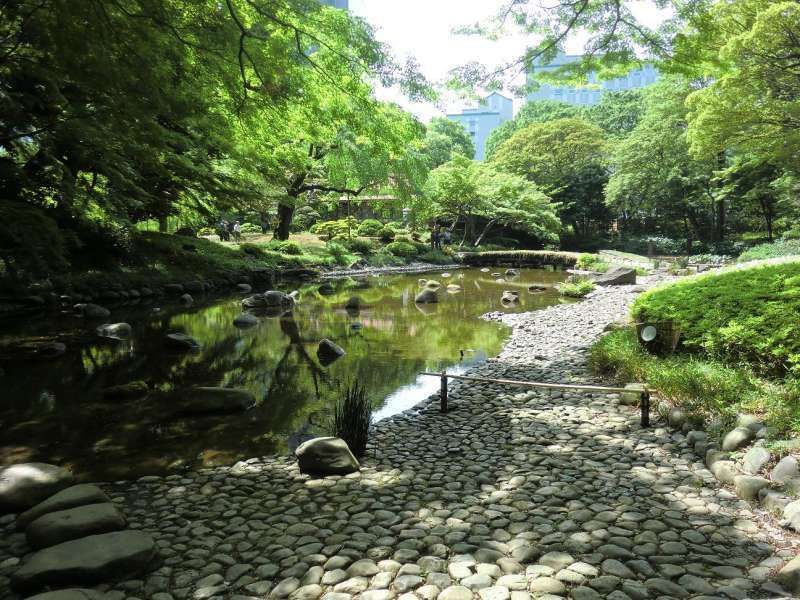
(56, 410)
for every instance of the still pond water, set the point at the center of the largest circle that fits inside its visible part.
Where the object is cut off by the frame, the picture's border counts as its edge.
(55, 411)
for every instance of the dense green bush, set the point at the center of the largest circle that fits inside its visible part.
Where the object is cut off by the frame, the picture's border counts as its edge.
(403, 249)
(591, 262)
(334, 229)
(285, 247)
(787, 247)
(745, 316)
(305, 217)
(31, 243)
(339, 253)
(386, 234)
(369, 227)
(576, 289)
(360, 245)
(251, 228)
(382, 258)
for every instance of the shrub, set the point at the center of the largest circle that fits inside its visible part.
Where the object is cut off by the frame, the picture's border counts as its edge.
(252, 250)
(203, 231)
(591, 262)
(338, 252)
(369, 227)
(352, 419)
(386, 234)
(31, 243)
(334, 229)
(436, 257)
(777, 249)
(360, 245)
(251, 228)
(740, 316)
(382, 258)
(403, 249)
(700, 387)
(576, 289)
(285, 247)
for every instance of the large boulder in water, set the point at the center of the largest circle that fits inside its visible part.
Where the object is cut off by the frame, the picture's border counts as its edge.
(70, 594)
(126, 391)
(617, 276)
(181, 341)
(245, 320)
(73, 523)
(26, 484)
(326, 456)
(427, 296)
(271, 302)
(76, 495)
(91, 311)
(115, 331)
(329, 352)
(211, 400)
(90, 560)
(510, 297)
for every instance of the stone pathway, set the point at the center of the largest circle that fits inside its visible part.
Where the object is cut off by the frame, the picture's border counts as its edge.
(510, 496)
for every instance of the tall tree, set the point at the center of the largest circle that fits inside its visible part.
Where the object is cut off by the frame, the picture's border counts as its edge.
(566, 159)
(444, 139)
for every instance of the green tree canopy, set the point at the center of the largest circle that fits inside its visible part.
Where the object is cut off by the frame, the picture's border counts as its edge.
(444, 139)
(566, 159)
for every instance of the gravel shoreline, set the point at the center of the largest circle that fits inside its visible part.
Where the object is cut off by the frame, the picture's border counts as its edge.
(513, 495)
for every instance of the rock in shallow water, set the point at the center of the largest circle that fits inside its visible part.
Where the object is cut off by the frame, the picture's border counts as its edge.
(26, 484)
(89, 560)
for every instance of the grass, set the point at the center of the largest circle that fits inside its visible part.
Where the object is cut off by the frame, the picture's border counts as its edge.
(702, 387)
(592, 262)
(780, 248)
(576, 289)
(741, 317)
(352, 419)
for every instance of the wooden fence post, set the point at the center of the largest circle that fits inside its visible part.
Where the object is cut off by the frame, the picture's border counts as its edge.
(644, 404)
(443, 393)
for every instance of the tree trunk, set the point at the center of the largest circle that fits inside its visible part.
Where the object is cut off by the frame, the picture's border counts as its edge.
(720, 220)
(484, 232)
(163, 224)
(766, 208)
(285, 215)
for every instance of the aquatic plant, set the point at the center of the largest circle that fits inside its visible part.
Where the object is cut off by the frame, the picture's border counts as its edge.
(352, 418)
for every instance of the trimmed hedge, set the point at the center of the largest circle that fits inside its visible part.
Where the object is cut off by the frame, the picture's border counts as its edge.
(747, 316)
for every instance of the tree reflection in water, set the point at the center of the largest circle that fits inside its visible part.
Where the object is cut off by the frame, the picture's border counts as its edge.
(55, 411)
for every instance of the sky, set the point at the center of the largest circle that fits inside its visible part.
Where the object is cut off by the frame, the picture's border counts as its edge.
(422, 28)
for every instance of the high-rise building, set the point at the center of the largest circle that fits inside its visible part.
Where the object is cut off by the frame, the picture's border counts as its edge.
(480, 121)
(336, 3)
(590, 94)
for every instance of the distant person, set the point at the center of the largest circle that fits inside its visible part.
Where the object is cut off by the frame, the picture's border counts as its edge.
(437, 233)
(446, 237)
(434, 236)
(222, 230)
(237, 231)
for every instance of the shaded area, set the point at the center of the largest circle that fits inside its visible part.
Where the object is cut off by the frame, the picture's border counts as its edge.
(55, 411)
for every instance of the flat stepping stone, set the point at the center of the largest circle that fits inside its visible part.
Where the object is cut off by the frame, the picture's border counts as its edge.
(72, 594)
(77, 495)
(73, 523)
(89, 560)
(27, 484)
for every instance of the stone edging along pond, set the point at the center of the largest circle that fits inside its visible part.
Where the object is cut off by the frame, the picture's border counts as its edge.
(512, 494)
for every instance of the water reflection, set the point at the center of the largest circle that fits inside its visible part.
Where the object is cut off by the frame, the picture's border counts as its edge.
(56, 410)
